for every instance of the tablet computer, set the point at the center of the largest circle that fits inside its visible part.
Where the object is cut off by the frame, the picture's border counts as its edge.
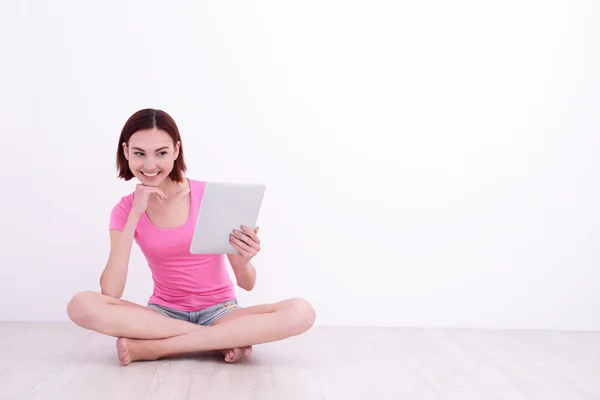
(225, 206)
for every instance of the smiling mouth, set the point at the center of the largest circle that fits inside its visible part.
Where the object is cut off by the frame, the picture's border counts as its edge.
(150, 175)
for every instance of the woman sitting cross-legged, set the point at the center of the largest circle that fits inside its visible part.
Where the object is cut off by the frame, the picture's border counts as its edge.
(193, 306)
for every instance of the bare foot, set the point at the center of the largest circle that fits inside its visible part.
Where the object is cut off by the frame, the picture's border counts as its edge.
(233, 355)
(130, 350)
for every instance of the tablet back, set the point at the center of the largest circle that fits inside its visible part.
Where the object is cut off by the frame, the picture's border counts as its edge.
(225, 206)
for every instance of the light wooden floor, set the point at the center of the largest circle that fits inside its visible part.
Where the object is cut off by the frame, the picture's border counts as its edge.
(60, 361)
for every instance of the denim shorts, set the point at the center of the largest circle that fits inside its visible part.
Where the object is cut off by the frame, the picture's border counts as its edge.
(207, 316)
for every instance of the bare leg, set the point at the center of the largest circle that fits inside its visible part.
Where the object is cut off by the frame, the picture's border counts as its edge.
(120, 318)
(240, 328)
(237, 353)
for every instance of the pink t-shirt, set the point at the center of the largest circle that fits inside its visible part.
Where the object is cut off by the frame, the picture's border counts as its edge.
(183, 281)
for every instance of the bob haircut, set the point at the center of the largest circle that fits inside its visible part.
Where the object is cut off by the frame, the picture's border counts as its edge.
(150, 118)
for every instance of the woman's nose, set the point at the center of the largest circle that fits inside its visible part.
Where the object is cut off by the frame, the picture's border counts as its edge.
(150, 164)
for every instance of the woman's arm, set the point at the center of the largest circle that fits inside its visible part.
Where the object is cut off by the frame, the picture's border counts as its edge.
(112, 280)
(247, 243)
(245, 273)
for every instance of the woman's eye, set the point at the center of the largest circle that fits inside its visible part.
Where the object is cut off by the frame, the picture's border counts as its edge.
(137, 153)
(162, 153)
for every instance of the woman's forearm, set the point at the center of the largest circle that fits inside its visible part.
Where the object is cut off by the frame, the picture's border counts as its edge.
(245, 275)
(112, 281)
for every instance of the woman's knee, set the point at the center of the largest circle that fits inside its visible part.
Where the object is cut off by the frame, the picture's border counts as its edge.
(302, 315)
(82, 307)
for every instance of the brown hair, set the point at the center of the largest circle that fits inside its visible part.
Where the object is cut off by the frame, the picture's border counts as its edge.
(150, 118)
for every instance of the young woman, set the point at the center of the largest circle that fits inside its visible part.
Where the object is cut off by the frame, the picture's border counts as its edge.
(193, 306)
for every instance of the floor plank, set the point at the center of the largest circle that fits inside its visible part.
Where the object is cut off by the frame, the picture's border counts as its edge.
(61, 361)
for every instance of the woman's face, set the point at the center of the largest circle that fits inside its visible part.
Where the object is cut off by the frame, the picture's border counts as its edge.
(151, 155)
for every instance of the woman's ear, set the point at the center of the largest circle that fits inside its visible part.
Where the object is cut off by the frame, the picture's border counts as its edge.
(177, 147)
(125, 151)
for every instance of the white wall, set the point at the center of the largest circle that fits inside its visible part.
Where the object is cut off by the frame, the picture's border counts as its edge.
(428, 163)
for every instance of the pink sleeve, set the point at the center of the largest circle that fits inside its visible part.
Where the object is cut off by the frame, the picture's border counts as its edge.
(119, 214)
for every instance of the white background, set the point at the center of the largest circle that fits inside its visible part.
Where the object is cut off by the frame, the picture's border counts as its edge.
(428, 163)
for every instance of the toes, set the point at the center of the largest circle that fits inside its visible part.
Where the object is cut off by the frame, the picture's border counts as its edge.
(234, 355)
(237, 354)
(227, 354)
